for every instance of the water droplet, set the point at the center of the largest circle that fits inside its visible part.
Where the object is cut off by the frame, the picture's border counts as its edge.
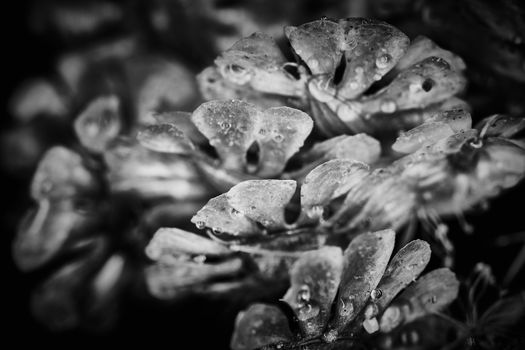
(359, 70)
(199, 259)
(377, 77)
(375, 294)
(314, 212)
(313, 63)
(383, 61)
(235, 212)
(413, 88)
(225, 125)
(200, 225)
(262, 132)
(433, 299)
(347, 309)
(307, 311)
(303, 295)
(216, 231)
(388, 107)
(354, 85)
(371, 311)
(330, 336)
(278, 138)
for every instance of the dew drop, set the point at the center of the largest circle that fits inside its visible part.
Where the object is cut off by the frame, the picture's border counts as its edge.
(225, 125)
(388, 107)
(278, 138)
(307, 311)
(216, 231)
(371, 311)
(347, 309)
(200, 225)
(359, 70)
(383, 61)
(262, 132)
(375, 294)
(303, 295)
(313, 63)
(199, 259)
(354, 85)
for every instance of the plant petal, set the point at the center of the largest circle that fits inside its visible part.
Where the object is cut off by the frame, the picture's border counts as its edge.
(329, 181)
(429, 294)
(430, 81)
(42, 235)
(170, 279)
(360, 147)
(402, 270)
(426, 133)
(318, 43)
(230, 127)
(221, 217)
(176, 242)
(282, 131)
(315, 278)
(99, 123)
(365, 261)
(371, 49)
(501, 125)
(422, 48)
(165, 138)
(458, 119)
(61, 174)
(258, 326)
(182, 121)
(263, 200)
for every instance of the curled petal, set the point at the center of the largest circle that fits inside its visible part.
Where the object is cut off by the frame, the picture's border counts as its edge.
(365, 261)
(176, 242)
(230, 127)
(263, 201)
(257, 61)
(315, 278)
(318, 43)
(282, 131)
(429, 294)
(371, 49)
(258, 326)
(99, 123)
(221, 217)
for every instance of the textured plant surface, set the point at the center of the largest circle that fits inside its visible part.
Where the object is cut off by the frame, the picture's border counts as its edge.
(326, 160)
(354, 75)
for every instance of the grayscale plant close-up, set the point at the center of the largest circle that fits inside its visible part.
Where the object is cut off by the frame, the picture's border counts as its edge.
(266, 174)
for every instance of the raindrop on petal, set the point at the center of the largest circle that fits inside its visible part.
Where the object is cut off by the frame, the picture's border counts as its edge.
(383, 61)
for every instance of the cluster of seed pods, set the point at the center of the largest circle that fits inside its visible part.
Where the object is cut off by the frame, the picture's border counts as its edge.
(354, 75)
